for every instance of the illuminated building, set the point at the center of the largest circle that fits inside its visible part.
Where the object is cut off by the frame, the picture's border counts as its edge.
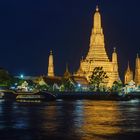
(50, 65)
(97, 56)
(137, 71)
(128, 75)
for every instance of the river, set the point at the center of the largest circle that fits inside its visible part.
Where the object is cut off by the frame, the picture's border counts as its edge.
(70, 120)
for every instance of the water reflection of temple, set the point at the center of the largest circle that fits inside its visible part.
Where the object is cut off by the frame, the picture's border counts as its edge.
(105, 120)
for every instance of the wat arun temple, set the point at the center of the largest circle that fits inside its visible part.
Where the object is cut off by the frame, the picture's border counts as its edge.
(97, 57)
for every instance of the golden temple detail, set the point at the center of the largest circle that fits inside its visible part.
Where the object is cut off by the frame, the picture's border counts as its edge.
(128, 75)
(67, 74)
(97, 56)
(50, 65)
(137, 71)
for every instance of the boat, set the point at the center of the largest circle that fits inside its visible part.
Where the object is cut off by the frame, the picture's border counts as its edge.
(34, 96)
(22, 96)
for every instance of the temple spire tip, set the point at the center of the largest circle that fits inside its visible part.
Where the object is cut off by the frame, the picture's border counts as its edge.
(114, 49)
(137, 55)
(128, 66)
(97, 8)
(51, 52)
(67, 69)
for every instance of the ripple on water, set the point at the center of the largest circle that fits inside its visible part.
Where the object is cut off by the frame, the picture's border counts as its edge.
(77, 119)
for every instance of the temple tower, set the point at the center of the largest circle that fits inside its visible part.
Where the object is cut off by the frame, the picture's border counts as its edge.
(97, 56)
(137, 71)
(50, 65)
(128, 75)
(67, 74)
(97, 44)
(115, 73)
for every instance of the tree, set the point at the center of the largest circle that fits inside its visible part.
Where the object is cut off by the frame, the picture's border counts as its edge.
(62, 88)
(67, 84)
(117, 86)
(43, 87)
(5, 78)
(97, 78)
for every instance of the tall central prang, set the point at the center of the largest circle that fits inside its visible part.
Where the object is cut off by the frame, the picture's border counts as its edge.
(97, 56)
(97, 46)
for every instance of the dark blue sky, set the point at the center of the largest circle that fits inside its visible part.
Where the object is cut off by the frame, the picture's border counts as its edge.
(29, 29)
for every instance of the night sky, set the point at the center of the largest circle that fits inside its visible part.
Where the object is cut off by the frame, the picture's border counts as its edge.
(29, 29)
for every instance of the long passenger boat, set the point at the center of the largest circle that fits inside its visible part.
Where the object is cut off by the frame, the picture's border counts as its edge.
(38, 96)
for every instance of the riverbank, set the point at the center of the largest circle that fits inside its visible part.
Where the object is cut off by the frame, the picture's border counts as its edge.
(114, 96)
(47, 96)
(90, 95)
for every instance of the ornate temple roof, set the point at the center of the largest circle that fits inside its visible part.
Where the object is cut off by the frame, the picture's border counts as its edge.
(52, 80)
(80, 80)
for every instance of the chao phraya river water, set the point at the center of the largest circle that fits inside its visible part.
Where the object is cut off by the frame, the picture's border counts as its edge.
(70, 120)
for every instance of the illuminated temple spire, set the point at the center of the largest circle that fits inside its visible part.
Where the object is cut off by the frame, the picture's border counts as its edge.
(114, 56)
(128, 75)
(97, 45)
(137, 71)
(97, 56)
(50, 65)
(128, 67)
(97, 20)
(67, 74)
(115, 73)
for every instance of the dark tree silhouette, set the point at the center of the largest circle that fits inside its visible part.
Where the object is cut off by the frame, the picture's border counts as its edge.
(98, 76)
